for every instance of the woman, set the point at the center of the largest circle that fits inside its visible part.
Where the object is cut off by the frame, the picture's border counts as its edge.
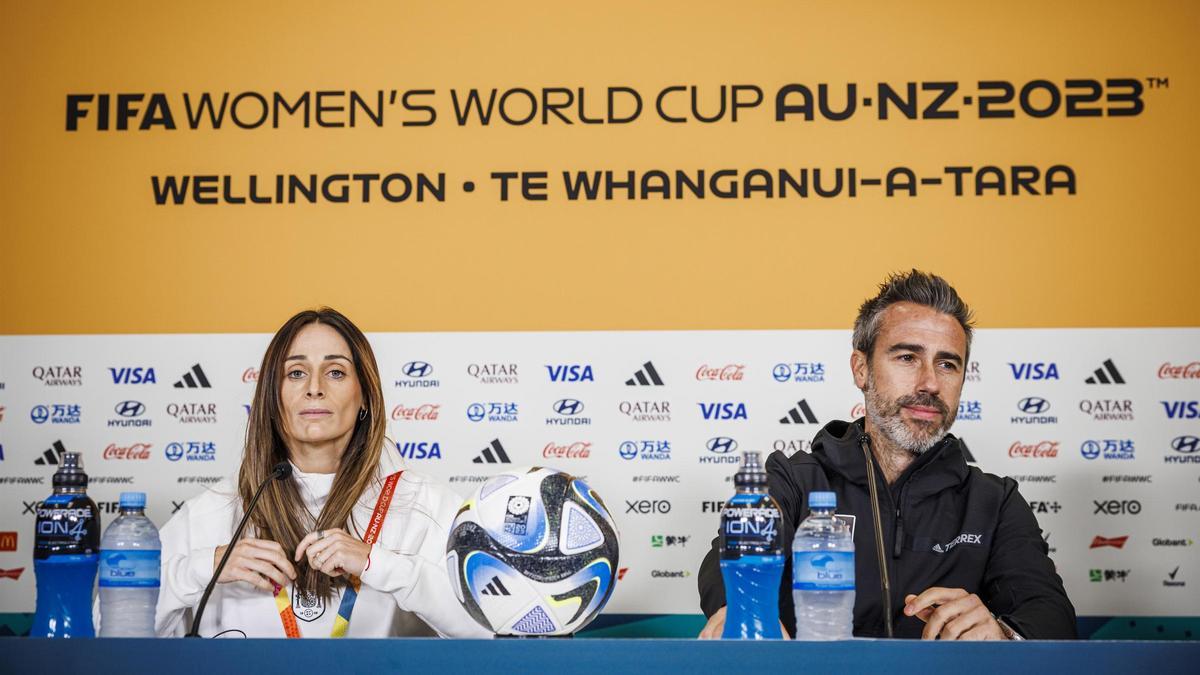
(311, 560)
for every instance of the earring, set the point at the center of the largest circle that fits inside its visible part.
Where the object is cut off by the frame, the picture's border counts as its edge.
(362, 413)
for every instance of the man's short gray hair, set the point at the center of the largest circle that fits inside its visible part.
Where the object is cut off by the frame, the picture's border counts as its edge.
(916, 287)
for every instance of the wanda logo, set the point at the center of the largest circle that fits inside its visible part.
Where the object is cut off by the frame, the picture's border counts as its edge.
(135, 451)
(577, 450)
(424, 412)
(250, 375)
(1042, 449)
(733, 372)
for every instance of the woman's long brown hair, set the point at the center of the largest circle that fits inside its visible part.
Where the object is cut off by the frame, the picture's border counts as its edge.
(281, 515)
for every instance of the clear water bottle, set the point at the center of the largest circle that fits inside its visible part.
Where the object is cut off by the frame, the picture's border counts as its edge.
(129, 571)
(751, 556)
(823, 573)
(65, 553)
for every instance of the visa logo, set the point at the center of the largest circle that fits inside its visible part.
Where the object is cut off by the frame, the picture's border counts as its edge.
(570, 373)
(133, 375)
(723, 411)
(419, 450)
(1034, 371)
(1185, 410)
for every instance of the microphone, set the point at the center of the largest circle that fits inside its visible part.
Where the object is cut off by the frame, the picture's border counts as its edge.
(280, 471)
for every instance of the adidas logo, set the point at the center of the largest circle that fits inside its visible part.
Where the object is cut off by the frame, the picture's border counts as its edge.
(646, 376)
(1107, 374)
(493, 454)
(799, 415)
(52, 455)
(495, 587)
(199, 381)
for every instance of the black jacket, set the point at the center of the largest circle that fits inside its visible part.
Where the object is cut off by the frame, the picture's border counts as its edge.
(937, 499)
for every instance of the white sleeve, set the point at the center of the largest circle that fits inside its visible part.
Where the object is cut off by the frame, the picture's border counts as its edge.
(185, 573)
(416, 574)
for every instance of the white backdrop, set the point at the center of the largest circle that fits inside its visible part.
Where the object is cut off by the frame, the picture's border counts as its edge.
(1128, 468)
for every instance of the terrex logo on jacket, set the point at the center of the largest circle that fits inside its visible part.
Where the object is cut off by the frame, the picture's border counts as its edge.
(963, 538)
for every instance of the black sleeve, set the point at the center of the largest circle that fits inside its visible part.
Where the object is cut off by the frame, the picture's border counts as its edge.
(1020, 583)
(784, 488)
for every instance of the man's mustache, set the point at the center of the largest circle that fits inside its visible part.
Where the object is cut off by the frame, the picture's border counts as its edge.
(925, 400)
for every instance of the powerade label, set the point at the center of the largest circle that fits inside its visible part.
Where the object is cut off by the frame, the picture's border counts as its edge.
(823, 571)
(66, 525)
(750, 527)
(125, 568)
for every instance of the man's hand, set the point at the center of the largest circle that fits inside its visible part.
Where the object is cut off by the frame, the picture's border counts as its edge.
(716, 626)
(952, 614)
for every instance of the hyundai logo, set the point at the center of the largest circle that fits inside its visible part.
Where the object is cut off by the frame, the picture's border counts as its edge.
(1188, 444)
(39, 414)
(417, 369)
(568, 406)
(628, 450)
(475, 412)
(130, 409)
(174, 451)
(1033, 405)
(721, 445)
(782, 372)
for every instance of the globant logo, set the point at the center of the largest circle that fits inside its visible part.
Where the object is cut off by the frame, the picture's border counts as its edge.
(59, 376)
(419, 449)
(55, 413)
(129, 414)
(568, 410)
(722, 450)
(732, 372)
(1109, 448)
(418, 374)
(1108, 409)
(493, 411)
(646, 450)
(1040, 449)
(137, 451)
(576, 450)
(192, 451)
(193, 413)
(494, 373)
(799, 371)
(969, 411)
(1188, 449)
(1188, 371)
(1035, 409)
(646, 411)
(422, 413)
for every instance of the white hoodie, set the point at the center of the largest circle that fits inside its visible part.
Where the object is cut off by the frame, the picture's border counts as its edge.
(405, 589)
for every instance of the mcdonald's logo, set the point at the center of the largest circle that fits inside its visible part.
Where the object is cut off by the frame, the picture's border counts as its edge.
(8, 541)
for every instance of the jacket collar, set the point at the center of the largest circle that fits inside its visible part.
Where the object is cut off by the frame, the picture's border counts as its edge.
(837, 448)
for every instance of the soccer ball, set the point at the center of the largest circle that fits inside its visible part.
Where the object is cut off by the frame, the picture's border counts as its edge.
(533, 552)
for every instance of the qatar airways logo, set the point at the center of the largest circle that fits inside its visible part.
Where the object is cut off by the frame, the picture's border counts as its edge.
(733, 372)
(138, 451)
(1185, 371)
(576, 450)
(1035, 450)
(425, 412)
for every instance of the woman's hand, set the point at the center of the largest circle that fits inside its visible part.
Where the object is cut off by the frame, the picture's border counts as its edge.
(258, 562)
(334, 552)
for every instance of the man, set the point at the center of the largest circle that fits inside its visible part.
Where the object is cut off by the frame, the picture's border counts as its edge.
(960, 549)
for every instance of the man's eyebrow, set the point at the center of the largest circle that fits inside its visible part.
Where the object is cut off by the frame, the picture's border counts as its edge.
(920, 349)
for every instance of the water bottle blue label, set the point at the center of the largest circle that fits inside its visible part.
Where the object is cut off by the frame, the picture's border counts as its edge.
(823, 571)
(124, 568)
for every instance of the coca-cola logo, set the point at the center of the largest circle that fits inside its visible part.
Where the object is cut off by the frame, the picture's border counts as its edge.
(732, 372)
(423, 412)
(250, 375)
(135, 451)
(859, 410)
(576, 450)
(1042, 449)
(1189, 371)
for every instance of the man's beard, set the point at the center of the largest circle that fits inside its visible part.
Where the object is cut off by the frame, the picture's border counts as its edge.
(886, 416)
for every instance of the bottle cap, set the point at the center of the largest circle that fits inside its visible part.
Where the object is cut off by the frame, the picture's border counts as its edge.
(822, 500)
(751, 474)
(133, 500)
(70, 471)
